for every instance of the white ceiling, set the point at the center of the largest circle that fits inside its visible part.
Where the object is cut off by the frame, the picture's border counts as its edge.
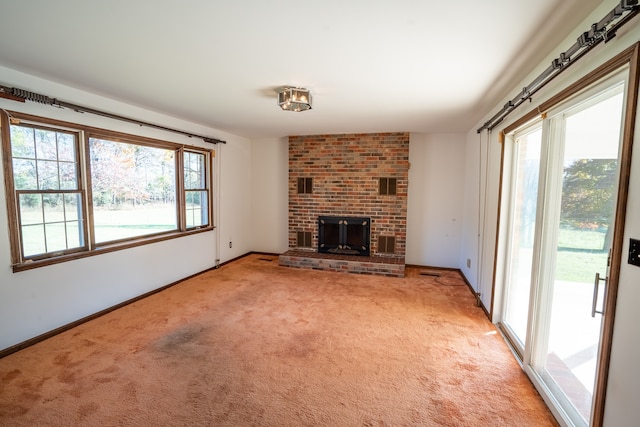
(371, 65)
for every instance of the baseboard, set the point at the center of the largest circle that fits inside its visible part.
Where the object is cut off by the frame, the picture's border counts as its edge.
(457, 270)
(22, 345)
(429, 267)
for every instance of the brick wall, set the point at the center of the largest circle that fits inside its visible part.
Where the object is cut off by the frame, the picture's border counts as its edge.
(346, 170)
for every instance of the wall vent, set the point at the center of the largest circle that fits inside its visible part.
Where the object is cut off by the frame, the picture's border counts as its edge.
(387, 186)
(386, 244)
(305, 185)
(304, 239)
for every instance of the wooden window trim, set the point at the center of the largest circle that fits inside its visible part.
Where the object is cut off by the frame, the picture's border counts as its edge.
(208, 169)
(84, 177)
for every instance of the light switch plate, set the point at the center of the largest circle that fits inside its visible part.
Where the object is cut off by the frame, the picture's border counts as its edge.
(634, 252)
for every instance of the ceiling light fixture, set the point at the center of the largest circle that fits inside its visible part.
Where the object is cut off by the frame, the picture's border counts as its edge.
(294, 99)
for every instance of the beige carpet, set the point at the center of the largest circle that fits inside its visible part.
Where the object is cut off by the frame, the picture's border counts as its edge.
(256, 344)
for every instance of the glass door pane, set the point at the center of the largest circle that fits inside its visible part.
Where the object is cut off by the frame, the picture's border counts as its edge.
(580, 212)
(524, 195)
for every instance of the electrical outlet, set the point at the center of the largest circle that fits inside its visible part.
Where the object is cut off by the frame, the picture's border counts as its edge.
(634, 252)
(468, 262)
(230, 245)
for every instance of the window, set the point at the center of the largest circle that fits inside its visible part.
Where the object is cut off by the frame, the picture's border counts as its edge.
(305, 185)
(74, 191)
(133, 190)
(387, 186)
(47, 190)
(195, 187)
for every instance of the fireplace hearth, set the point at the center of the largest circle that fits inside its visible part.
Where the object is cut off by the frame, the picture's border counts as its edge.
(344, 235)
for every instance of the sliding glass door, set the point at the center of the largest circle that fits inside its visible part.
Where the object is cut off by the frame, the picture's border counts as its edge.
(562, 199)
(525, 177)
(581, 191)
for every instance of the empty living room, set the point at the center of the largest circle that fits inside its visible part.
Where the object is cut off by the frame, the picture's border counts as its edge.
(336, 214)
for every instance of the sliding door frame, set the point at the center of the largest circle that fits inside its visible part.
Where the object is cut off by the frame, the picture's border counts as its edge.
(629, 57)
(512, 149)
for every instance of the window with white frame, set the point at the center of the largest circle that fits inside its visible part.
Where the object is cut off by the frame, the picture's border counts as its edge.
(75, 191)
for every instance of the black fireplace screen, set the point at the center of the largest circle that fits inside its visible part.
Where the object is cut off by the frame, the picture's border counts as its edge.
(344, 235)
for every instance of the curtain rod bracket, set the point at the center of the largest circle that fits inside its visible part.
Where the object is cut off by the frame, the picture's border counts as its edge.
(597, 33)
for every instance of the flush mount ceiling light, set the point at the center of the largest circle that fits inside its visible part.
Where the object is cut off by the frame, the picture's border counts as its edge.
(294, 99)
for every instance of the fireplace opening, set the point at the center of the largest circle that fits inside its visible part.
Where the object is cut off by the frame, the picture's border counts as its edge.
(344, 235)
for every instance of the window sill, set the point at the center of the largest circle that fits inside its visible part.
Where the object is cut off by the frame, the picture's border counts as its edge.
(106, 248)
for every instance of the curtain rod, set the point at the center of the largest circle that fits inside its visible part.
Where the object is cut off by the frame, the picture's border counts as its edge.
(22, 95)
(587, 41)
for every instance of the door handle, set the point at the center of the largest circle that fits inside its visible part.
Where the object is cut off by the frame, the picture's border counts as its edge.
(596, 285)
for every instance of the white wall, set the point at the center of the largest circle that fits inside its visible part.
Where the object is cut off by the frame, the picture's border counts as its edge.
(36, 301)
(436, 199)
(235, 199)
(270, 195)
(623, 390)
(472, 212)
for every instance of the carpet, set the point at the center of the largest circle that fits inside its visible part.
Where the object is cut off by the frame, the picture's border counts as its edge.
(257, 344)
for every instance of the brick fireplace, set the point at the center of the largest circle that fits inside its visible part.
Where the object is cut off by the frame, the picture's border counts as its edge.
(352, 176)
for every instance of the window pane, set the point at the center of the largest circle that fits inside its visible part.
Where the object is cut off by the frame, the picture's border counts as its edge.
(24, 174)
(74, 234)
(66, 147)
(194, 171)
(68, 176)
(56, 237)
(72, 207)
(520, 257)
(33, 240)
(133, 189)
(197, 208)
(22, 142)
(30, 209)
(53, 208)
(48, 175)
(46, 145)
